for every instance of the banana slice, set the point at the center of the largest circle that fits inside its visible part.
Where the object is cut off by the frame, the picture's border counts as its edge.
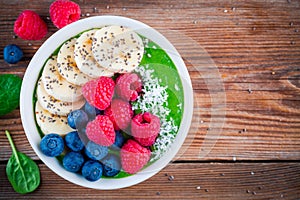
(50, 123)
(84, 57)
(58, 87)
(67, 66)
(117, 48)
(56, 106)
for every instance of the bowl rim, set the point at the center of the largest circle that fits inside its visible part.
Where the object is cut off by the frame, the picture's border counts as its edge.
(44, 52)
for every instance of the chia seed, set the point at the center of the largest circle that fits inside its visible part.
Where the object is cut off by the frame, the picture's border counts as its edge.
(259, 187)
(234, 158)
(171, 178)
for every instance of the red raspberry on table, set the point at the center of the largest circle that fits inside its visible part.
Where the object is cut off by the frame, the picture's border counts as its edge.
(101, 131)
(120, 113)
(30, 26)
(145, 128)
(134, 157)
(64, 12)
(128, 86)
(99, 92)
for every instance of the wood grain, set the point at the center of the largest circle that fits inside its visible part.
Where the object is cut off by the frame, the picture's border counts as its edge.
(191, 181)
(254, 46)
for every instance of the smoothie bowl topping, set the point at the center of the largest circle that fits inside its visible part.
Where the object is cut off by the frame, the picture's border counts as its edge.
(108, 103)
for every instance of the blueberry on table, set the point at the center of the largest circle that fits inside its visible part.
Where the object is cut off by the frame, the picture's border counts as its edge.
(95, 151)
(91, 111)
(77, 119)
(12, 53)
(73, 161)
(92, 170)
(52, 145)
(111, 165)
(73, 141)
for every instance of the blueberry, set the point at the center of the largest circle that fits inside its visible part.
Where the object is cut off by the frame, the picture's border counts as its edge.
(12, 53)
(77, 119)
(95, 151)
(52, 145)
(92, 170)
(73, 141)
(119, 141)
(111, 165)
(91, 111)
(73, 161)
(82, 135)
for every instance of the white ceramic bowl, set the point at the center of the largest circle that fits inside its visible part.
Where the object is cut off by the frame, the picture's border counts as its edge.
(32, 74)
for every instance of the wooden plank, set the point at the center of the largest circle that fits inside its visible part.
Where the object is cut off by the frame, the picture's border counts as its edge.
(191, 181)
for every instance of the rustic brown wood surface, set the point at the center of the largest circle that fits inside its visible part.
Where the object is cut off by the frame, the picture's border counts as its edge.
(255, 46)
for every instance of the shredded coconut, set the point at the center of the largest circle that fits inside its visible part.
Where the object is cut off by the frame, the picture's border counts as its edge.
(176, 87)
(154, 100)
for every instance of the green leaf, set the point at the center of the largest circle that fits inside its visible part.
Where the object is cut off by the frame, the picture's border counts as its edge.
(22, 172)
(10, 87)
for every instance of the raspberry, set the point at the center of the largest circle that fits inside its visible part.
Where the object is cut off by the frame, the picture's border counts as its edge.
(99, 92)
(120, 113)
(101, 131)
(134, 157)
(145, 128)
(64, 12)
(128, 86)
(30, 26)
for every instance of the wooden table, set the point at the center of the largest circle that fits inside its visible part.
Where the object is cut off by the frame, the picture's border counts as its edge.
(256, 49)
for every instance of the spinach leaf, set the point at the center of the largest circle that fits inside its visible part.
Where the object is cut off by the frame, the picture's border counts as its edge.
(10, 87)
(22, 172)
